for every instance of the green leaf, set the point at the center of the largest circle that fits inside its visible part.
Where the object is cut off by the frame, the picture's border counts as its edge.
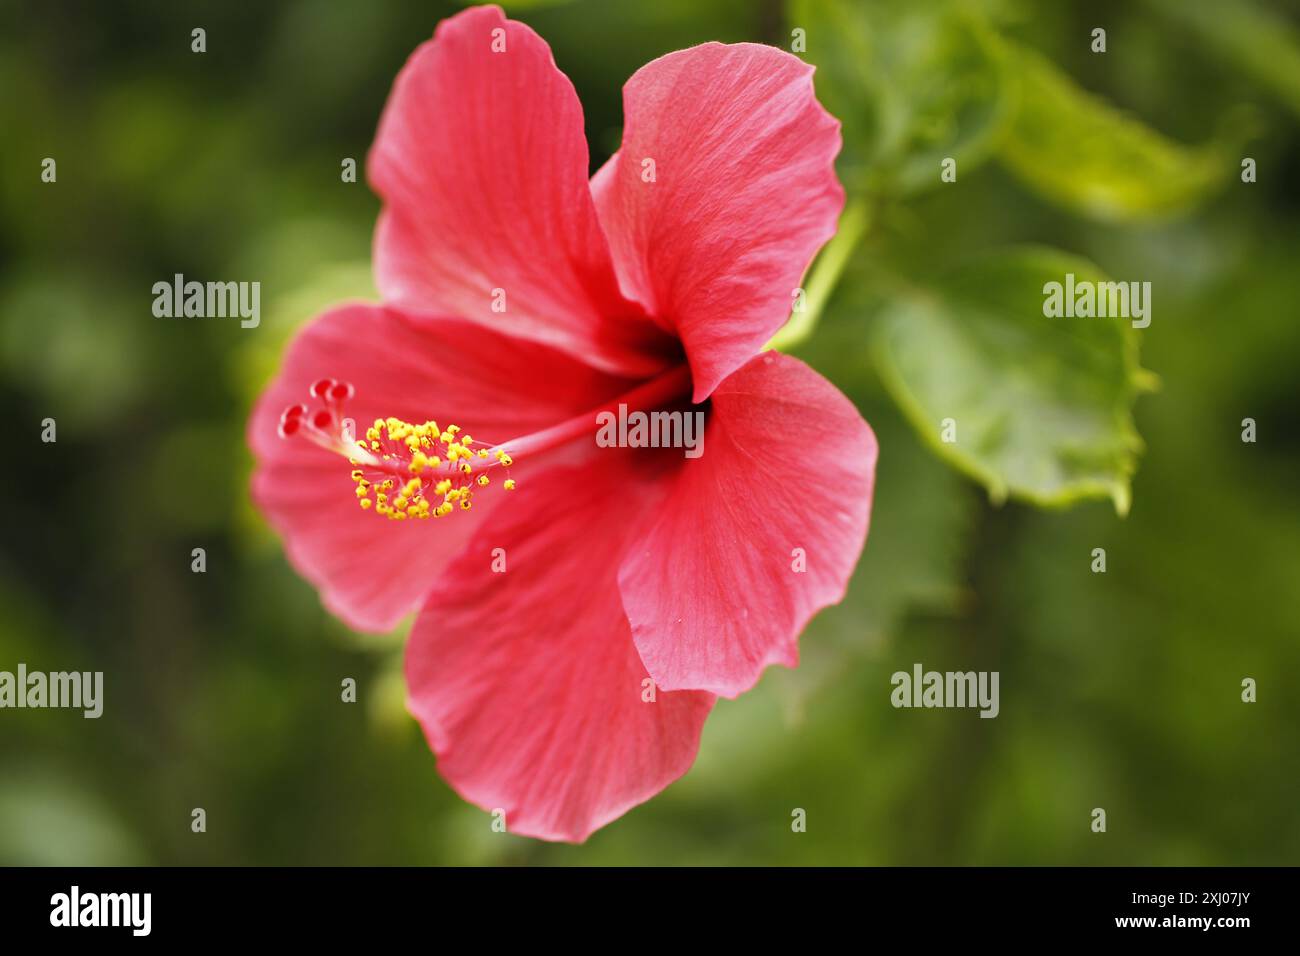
(1042, 406)
(912, 83)
(1079, 151)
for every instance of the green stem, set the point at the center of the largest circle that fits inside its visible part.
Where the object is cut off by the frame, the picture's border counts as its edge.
(823, 277)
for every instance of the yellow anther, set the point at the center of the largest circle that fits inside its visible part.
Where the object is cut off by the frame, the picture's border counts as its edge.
(509, 484)
(413, 455)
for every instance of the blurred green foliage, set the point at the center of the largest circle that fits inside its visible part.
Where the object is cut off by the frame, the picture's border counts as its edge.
(1082, 153)
(1120, 690)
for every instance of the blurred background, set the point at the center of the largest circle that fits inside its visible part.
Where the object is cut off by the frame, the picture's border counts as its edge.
(222, 690)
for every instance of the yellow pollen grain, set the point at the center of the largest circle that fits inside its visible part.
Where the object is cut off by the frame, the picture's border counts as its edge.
(412, 453)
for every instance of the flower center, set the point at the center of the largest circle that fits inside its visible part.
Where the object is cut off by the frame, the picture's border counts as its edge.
(404, 470)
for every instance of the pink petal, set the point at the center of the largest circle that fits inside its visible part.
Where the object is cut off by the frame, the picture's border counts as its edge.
(482, 165)
(744, 195)
(527, 683)
(711, 589)
(371, 571)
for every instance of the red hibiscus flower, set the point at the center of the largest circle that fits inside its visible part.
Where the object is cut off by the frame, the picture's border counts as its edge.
(573, 631)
